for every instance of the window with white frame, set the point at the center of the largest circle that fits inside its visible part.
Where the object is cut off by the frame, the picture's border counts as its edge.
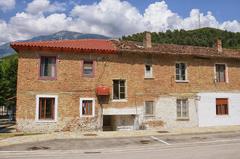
(119, 89)
(182, 108)
(149, 108)
(46, 109)
(220, 70)
(87, 107)
(181, 71)
(88, 68)
(148, 71)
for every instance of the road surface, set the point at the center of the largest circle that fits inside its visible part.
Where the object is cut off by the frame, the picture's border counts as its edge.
(208, 146)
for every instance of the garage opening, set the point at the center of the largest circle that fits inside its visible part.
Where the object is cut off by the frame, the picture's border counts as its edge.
(118, 122)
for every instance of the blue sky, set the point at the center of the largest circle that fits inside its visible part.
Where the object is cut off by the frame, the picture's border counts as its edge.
(23, 19)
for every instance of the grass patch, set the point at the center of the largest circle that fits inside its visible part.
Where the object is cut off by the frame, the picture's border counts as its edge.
(8, 135)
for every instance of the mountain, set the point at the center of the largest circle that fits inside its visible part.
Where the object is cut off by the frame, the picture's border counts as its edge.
(6, 50)
(200, 37)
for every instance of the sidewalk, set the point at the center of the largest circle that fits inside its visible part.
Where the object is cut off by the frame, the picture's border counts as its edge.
(114, 134)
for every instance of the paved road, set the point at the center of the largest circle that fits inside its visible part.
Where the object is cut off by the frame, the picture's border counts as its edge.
(208, 146)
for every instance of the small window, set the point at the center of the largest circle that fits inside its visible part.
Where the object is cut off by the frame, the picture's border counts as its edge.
(149, 108)
(220, 72)
(87, 107)
(48, 67)
(119, 89)
(181, 71)
(221, 106)
(182, 108)
(148, 71)
(46, 109)
(88, 68)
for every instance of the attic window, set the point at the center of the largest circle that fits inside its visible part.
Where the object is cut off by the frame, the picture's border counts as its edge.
(220, 72)
(48, 67)
(88, 68)
(181, 71)
(148, 71)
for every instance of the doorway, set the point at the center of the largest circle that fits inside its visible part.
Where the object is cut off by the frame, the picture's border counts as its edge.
(107, 123)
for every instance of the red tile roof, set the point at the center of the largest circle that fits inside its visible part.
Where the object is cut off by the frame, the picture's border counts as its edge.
(88, 45)
(175, 50)
(116, 46)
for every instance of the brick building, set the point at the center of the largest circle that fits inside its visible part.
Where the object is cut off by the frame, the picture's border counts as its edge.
(89, 84)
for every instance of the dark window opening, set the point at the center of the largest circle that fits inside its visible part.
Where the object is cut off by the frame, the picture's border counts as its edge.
(46, 108)
(48, 67)
(87, 107)
(181, 71)
(220, 73)
(119, 89)
(88, 68)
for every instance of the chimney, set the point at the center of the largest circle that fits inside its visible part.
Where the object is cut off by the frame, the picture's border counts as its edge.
(218, 45)
(147, 41)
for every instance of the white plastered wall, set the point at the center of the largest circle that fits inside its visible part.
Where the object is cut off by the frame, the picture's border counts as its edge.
(207, 109)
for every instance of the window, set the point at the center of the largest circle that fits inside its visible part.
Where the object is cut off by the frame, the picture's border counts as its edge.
(149, 108)
(48, 67)
(46, 108)
(181, 71)
(119, 90)
(148, 71)
(88, 68)
(182, 108)
(221, 106)
(220, 72)
(87, 107)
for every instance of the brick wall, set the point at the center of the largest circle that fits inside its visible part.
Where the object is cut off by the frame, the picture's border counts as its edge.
(71, 85)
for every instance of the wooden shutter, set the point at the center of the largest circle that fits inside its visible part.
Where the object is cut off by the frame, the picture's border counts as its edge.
(221, 106)
(221, 101)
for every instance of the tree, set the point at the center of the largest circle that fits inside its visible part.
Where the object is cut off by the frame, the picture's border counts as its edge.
(200, 37)
(8, 81)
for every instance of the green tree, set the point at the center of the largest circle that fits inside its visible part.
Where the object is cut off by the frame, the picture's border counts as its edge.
(200, 37)
(8, 81)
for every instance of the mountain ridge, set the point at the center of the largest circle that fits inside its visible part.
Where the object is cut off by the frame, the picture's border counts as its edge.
(6, 50)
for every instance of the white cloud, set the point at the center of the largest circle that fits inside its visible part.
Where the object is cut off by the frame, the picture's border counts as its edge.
(108, 17)
(231, 26)
(111, 17)
(158, 17)
(41, 6)
(7, 4)
(28, 25)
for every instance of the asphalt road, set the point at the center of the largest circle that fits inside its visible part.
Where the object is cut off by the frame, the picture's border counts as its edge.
(207, 146)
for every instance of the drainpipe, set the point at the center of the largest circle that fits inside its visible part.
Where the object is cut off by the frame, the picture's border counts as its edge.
(101, 117)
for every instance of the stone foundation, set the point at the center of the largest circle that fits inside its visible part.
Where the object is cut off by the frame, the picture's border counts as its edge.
(66, 124)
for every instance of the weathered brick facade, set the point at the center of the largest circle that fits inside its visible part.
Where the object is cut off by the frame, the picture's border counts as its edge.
(71, 85)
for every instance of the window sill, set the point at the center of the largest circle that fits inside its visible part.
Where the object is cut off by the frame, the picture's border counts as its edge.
(45, 121)
(86, 116)
(182, 81)
(149, 116)
(48, 78)
(223, 116)
(148, 78)
(221, 82)
(88, 76)
(119, 100)
(183, 119)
